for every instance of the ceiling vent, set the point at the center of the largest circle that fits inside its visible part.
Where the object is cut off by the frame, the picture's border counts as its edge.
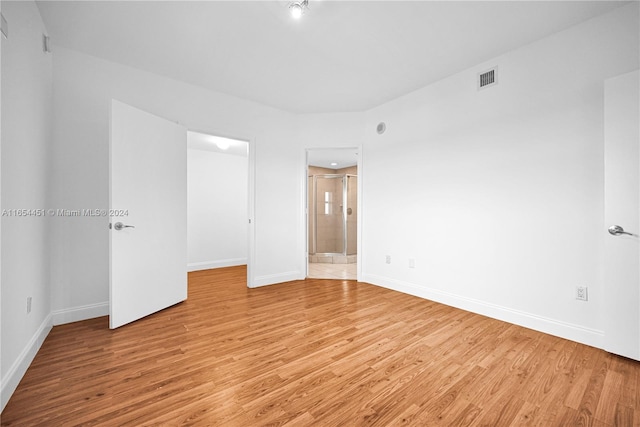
(488, 78)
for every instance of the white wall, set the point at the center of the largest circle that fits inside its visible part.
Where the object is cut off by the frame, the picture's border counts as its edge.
(498, 193)
(216, 209)
(26, 140)
(83, 89)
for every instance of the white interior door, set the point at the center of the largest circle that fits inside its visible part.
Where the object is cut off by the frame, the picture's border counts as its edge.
(148, 197)
(622, 208)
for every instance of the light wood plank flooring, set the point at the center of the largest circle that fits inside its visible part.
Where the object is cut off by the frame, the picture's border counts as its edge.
(318, 353)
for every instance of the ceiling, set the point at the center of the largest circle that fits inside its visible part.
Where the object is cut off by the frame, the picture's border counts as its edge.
(321, 157)
(341, 56)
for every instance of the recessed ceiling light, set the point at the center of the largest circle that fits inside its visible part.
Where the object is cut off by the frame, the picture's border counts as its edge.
(221, 142)
(334, 164)
(297, 8)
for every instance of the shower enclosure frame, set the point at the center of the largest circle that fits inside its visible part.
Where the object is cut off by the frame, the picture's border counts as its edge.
(344, 211)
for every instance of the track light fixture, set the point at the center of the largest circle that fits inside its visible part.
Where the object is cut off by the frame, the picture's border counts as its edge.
(298, 8)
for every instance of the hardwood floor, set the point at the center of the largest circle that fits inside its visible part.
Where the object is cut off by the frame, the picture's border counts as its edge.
(321, 353)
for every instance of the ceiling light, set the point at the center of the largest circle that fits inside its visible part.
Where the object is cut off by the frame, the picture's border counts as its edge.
(297, 8)
(334, 164)
(222, 144)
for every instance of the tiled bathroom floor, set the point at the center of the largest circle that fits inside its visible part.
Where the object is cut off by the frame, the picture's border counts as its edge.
(332, 271)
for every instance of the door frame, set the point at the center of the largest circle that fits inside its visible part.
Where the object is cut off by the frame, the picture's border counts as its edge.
(250, 139)
(304, 211)
(621, 301)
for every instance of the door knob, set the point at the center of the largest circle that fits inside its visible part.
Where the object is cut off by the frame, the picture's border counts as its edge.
(119, 226)
(616, 230)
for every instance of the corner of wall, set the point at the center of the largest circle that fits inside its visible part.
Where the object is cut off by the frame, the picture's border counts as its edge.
(21, 364)
(273, 279)
(220, 263)
(76, 314)
(26, 140)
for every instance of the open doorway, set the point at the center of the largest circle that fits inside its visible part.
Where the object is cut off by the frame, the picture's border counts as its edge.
(332, 219)
(217, 198)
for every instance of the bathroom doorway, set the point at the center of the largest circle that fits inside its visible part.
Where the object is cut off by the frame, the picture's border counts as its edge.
(332, 219)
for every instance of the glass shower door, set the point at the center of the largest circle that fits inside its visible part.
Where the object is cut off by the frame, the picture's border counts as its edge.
(329, 210)
(352, 214)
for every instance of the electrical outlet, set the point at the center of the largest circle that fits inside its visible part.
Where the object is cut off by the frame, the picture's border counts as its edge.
(28, 305)
(388, 259)
(581, 293)
(412, 263)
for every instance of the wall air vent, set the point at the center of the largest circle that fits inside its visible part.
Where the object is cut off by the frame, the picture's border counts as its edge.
(488, 78)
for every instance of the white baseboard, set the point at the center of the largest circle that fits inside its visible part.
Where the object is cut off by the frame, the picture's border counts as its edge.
(75, 314)
(207, 265)
(273, 279)
(19, 368)
(588, 336)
